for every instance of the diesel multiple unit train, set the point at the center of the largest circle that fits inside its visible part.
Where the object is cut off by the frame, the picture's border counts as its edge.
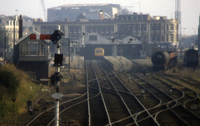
(99, 52)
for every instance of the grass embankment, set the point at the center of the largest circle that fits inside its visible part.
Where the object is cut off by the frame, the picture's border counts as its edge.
(15, 84)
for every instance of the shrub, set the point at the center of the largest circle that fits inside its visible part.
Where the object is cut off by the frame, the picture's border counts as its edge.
(9, 81)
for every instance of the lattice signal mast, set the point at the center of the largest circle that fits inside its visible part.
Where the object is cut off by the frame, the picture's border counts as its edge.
(178, 16)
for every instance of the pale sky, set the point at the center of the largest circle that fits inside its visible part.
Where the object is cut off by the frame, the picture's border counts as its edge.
(190, 9)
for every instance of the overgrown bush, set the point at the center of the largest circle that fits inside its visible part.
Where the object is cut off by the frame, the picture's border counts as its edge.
(15, 84)
(9, 81)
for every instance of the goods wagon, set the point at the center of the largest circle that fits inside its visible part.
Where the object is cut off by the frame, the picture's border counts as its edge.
(163, 60)
(191, 58)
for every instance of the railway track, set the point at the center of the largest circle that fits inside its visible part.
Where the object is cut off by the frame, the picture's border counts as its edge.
(189, 116)
(125, 99)
(46, 117)
(115, 107)
(183, 97)
(133, 103)
(178, 101)
(98, 114)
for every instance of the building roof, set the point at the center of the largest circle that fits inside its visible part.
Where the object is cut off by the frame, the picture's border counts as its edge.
(32, 32)
(82, 5)
(4, 19)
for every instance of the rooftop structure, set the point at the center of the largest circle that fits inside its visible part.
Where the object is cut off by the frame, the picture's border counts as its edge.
(70, 12)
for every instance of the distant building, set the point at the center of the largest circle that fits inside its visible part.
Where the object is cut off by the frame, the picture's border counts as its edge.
(155, 33)
(90, 11)
(9, 33)
(128, 47)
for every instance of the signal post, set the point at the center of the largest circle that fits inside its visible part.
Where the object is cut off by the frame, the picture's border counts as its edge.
(56, 77)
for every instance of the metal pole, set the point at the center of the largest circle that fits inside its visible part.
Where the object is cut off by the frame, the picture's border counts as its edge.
(57, 113)
(69, 54)
(14, 36)
(57, 87)
(4, 54)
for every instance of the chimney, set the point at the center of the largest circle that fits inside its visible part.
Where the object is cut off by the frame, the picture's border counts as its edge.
(20, 26)
(101, 13)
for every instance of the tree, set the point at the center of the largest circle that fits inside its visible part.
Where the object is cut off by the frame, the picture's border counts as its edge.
(9, 81)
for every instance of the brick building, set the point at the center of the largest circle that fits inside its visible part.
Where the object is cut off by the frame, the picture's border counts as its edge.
(154, 32)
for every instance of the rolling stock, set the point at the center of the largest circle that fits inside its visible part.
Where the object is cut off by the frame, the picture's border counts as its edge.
(99, 52)
(191, 58)
(1, 61)
(163, 60)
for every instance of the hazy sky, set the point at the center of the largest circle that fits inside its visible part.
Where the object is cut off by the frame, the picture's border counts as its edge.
(190, 9)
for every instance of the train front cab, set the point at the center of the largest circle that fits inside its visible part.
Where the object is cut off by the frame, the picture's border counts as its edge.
(99, 53)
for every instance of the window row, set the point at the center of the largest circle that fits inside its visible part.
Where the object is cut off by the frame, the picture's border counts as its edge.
(125, 27)
(144, 17)
(100, 29)
(33, 49)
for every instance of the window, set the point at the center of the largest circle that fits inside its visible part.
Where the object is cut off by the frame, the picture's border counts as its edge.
(158, 38)
(158, 27)
(144, 27)
(171, 27)
(33, 49)
(153, 37)
(171, 37)
(134, 27)
(92, 38)
(152, 27)
(162, 38)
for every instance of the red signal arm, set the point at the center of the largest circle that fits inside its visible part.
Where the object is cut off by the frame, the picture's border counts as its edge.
(42, 36)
